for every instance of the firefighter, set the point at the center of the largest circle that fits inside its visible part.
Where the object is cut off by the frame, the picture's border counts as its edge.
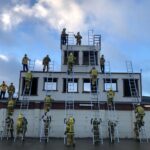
(47, 103)
(94, 74)
(111, 130)
(78, 38)
(46, 120)
(139, 114)
(110, 96)
(95, 129)
(25, 61)
(3, 87)
(10, 107)
(28, 79)
(70, 131)
(25, 123)
(21, 125)
(71, 60)
(102, 64)
(9, 126)
(139, 111)
(11, 90)
(46, 62)
(64, 37)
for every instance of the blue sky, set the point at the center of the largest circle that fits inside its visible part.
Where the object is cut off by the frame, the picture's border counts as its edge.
(34, 26)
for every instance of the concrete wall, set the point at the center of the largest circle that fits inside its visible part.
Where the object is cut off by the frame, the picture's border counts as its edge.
(82, 122)
(80, 96)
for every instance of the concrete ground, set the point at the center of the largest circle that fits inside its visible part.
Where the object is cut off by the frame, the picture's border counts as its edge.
(81, 144)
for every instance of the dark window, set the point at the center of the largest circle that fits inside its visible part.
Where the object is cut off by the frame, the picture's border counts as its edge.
(76, 55)
(70, 86)
(130, 87)
(50, 84)
(90, 58)
(34, 86)
(110, 83)
(85, 58)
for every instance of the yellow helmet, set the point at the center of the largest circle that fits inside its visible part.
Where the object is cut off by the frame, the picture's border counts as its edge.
(20, 116)
(71, 120)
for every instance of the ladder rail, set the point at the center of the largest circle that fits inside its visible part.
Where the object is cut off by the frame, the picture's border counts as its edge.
(136, 98)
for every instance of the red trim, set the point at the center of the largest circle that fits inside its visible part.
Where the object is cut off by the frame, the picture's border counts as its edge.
(61, 105)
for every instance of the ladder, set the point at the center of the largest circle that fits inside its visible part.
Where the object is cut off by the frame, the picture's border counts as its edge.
(97, 41)
(70, 40)
(24, 103)
(90, 37)
(92, 58)
(2, 125)
(43, 136)
(136, 99)
(94, 95)
(45, 131)
(69, 101)
(111, 110)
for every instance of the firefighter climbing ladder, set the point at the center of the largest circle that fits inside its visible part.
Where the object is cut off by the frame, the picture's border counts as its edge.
(94, 94)
(24, 103)
(136, 99)
(111, 110)
(70, 87)
(49, 88)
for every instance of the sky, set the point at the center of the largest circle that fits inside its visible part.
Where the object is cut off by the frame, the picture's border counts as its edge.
(34, 26)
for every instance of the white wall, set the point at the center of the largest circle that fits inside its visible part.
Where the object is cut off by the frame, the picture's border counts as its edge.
(82, 122)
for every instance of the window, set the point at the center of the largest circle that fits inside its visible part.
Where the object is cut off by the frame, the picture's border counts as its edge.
(86, 85)
(70, 86)
(50, 84)
(34, 86)
(129, 88)
(76, 55)
(110, 83)
(90, 58)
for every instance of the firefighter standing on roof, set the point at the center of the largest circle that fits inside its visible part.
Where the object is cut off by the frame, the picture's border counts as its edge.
(78, 38)
(3, 87)
(25, 61)
(11, 90)
(46, 62)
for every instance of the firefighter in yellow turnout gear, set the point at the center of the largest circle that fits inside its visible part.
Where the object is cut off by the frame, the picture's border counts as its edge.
(110, 96)
(94, 74)
(47, 103)
(140, 113)
(70, 61)
(11, 90)
(70, 131)
(95, 122)
(78, 38)
(21, 126)
(10, 107)
(28, 79)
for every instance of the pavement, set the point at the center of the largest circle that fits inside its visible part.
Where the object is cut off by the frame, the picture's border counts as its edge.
(81, 144)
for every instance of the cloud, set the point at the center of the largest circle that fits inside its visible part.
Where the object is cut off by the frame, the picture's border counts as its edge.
(56, 14)
(10, 70)
(4, 58)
